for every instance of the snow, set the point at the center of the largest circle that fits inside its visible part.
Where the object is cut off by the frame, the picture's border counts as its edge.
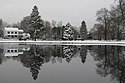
(11, 29)
(13, 54)
(20, 30)
(68, 32)
(86, 42)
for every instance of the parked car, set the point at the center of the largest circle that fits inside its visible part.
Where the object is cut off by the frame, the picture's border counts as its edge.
(24, 37)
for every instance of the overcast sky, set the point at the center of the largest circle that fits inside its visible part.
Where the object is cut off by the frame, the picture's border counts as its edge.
(73, 11)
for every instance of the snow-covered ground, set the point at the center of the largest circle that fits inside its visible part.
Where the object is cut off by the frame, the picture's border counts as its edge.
(86, 42)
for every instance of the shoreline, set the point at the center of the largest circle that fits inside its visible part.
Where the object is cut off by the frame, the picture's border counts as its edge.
(86, 42)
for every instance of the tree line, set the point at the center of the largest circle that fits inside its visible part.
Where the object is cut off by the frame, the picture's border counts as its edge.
(110, 61)
(110, 23)
(44, 30)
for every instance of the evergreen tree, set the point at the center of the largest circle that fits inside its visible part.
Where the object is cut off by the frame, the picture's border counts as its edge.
(36, 23)
(69, 52)
(83, 31)
(83, 53)
(68, 32)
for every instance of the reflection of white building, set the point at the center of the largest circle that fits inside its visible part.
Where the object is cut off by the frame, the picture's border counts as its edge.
(14, 49)
(10, 32)
(12, 52)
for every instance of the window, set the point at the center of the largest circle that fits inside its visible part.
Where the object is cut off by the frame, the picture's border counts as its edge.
(12, 36)
(15, 50)
(11, 50)
(15, 32)
(15, 35)
(8, 32)
(8, 50)
(8, 35)
(11, 32)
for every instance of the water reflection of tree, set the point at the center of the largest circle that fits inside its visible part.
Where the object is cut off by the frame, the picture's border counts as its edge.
(69, 52)
(111, 61)
(38, 55)
(56, 53)
(1, 56)
(32, 59)
(83, 53)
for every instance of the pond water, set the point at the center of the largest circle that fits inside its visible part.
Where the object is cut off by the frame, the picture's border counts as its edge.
(61, 64)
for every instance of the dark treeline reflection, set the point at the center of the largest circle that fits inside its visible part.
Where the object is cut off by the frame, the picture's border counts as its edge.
(39, 55)
(35, 56)
(110, 60)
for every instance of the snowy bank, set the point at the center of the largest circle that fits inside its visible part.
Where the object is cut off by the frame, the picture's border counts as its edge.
(86, 42)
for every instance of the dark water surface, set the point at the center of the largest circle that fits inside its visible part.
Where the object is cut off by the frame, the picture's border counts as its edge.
(61, 64)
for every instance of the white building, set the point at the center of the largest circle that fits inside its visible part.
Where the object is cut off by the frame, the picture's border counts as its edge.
(10, 32)
(13, 49)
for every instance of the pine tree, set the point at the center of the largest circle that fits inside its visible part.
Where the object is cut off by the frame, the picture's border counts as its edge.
(68, 32)
(83, 53)
(68, 53)
(36, 23)
(83, 31)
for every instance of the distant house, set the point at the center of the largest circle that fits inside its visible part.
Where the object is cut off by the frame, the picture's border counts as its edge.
(10, 32)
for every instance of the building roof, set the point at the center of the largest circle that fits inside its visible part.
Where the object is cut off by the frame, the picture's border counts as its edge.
(20, 30)
(10, 29)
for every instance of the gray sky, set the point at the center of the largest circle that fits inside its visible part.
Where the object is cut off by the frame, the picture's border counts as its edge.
(73, 11)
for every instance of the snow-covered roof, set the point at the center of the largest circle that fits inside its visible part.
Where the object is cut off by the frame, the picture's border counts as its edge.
(20, 30)
(11, 29)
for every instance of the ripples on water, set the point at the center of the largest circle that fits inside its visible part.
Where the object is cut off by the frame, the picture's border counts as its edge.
(61, 64)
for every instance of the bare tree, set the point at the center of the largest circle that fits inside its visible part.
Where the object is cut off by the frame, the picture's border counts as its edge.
(103, 18)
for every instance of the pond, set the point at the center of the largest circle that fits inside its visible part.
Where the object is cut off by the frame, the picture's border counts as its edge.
(61, 64)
